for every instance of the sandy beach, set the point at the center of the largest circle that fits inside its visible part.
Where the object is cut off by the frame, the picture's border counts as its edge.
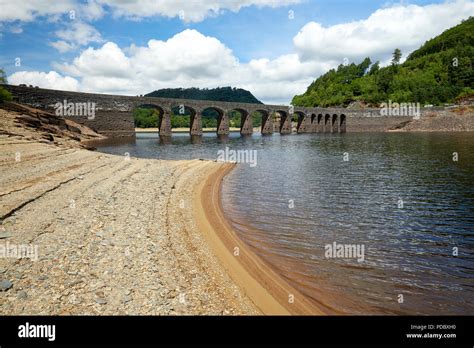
(121, 235)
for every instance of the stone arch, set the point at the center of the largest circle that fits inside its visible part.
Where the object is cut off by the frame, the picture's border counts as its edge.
(267, 121)
(222, 123)
(314, 123)
(285, 121)
(183, 109)
(334, 124)
(320, 124)
(246, 126)
(303, 122)
(342, 124)
(162, 122)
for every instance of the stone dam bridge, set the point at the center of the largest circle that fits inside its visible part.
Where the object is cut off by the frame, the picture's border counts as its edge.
(114, 114)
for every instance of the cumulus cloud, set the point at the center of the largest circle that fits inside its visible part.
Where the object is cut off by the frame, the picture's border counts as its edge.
(188, 54)
(75, 35)
(404, 27)
(106, 61)
(188, 59)
(51, 80)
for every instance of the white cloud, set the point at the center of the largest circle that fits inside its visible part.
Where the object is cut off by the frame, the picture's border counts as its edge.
(188, 59)
(189, 54)
(187, 10)
(76, 35)
(27, 10)
(404, 27)
(62, 46)
(51, 80)
(107, 61)
(16, 30)
(91, 10)
(192, 10)
(80, 33)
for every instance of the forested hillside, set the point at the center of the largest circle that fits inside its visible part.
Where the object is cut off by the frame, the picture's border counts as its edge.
(229, 94)
(437, 73)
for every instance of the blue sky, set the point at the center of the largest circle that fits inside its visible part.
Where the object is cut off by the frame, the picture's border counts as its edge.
(274, 50)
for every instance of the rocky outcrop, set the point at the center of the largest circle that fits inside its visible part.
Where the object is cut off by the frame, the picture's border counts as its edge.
(34, 124)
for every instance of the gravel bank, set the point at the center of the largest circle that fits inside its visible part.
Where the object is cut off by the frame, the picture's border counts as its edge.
(114, 235)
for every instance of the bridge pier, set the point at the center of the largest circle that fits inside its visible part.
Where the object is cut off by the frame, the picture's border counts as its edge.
(164, 124)
(223, 124)
(342, 123)
(320, 124)
(335, 124)
(246, 126)
(196, 124)
(314, 123)
(327, 123)
(285, 123)
(267, 123)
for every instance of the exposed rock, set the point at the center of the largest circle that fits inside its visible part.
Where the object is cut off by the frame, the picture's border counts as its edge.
(457, 120)
(5, 285)
(22, 295)
(42, 126)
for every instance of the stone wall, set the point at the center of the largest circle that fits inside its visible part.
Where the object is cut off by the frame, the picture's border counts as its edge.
(375, 124)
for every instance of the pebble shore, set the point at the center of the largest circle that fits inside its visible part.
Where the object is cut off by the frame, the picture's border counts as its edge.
(114, 235)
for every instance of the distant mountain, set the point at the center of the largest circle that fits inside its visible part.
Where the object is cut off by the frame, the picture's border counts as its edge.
(228, 94)
(438, 72)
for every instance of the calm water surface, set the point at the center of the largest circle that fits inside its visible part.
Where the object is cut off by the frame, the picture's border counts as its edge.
(399, 195)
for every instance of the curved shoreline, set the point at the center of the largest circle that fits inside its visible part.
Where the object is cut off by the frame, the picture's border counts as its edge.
(266, 289)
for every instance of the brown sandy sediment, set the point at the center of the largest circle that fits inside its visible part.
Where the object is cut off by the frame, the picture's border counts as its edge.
(269, 291)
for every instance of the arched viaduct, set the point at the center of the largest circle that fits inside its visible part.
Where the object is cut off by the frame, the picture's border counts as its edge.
(113, 114)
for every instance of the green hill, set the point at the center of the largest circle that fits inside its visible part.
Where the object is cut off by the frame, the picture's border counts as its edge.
(227, 94)
(148, 118)
(438, 72)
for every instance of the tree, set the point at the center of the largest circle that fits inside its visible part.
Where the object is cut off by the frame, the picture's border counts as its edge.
(374, 68)
(4, 94)
(397, 55)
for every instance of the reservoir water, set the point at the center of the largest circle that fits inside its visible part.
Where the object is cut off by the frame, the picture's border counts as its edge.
(405, 199)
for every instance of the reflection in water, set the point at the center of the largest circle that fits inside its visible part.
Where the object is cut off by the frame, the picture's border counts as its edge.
(196, 139)
(164, 139)
(223, 138)
(400, 195)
